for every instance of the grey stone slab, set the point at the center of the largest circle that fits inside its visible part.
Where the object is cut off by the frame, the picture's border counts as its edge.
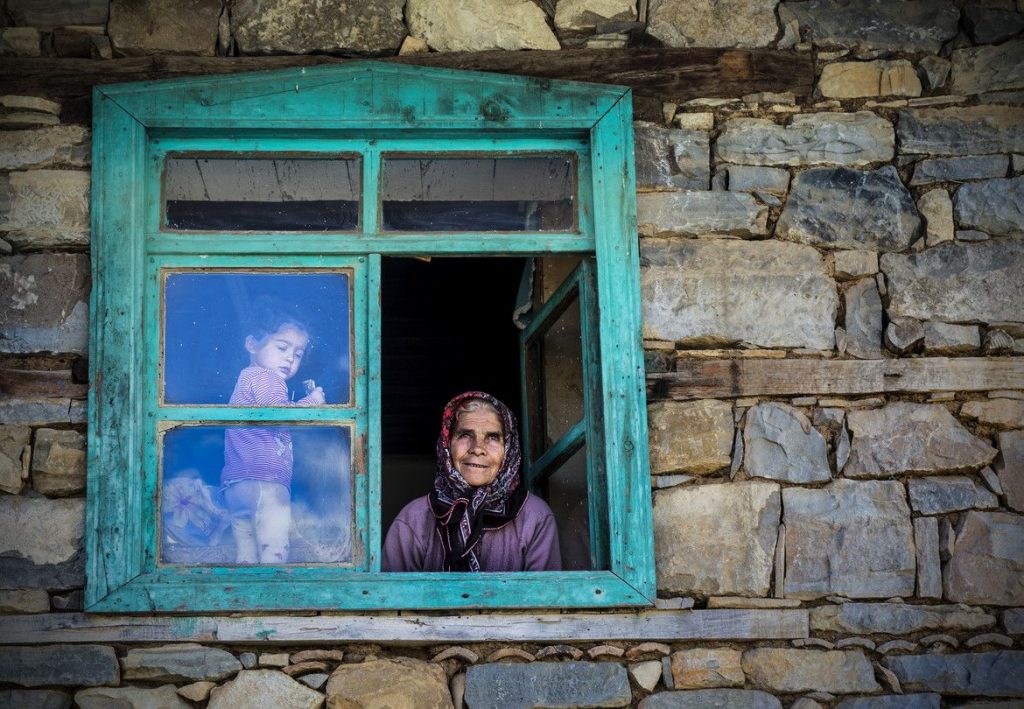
(845, 208)
(1013, 621)
(711, 699)
(909, 438)
(814, 139)
(690, 436)
(958, 282)
(41, 530)
(991, 25)
(854, 264)
(893, 701)
(952, 493)
(270, 688)
(44, 303)
(903, 334)
(728, 23)
(18, 572)
(863, 320)
(59, 666)
(961, 169)
(750, 178)
(20, 42)
(990, 68)
(934, 71)
(186, 662)
(34, 699)
(45, 208)
(781, 444)
(478, 26)
(671, 157)
(1002, 413)
(987, 674)
(588, 14)
(14, 454)
(850, 538)
(799, 670)
(58, 463)
(1009, 466)
(548, 684)
(47, 14)
(698, 213)
(896, 618)
(143, 27)
(987, 562)
(929, 567)
(766, 293)
(963, 130)
(936, 209)
(165, 697)
(292, 26)
(41, 412)
(44, 147)
(994, 206)
(894, 25)
(737, 559)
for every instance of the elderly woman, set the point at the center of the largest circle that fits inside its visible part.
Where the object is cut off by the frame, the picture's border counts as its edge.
(480, 516)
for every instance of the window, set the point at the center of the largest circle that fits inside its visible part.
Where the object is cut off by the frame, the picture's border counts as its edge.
(346, 200)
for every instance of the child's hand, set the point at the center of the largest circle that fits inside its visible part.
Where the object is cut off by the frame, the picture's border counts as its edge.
(315, 397)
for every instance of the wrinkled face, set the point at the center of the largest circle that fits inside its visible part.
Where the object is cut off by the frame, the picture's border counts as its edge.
(478, 446)
(281, 352)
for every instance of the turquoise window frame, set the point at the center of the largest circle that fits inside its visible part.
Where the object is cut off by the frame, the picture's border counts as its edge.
(368, 109)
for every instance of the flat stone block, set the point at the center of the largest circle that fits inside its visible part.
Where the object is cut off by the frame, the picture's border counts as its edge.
(59, 666)
(868, 79)
(34, 699)
(929, 568)
(14, 457)
(730, 23)
(44, 303)
(268, 688)
(987, 562)
(907, 438)
(991, 68)
(952, 493)
(844, 208)
(998, 413)
(814, 139)
(854, 264)
(58, 463)
(690, 437)
(700, 213)
(992, 206)
(766, 293)
(41, 412)
(26, 600)
(798, 670)
(963, 130)
(45, 208)
(893, 701)
(586, 14)
(185, 662)
(704, 668)
(715, 698)
(737, 559)
(44, 147)
(747, 178)
(987, 674)
(863, 320)
(576, 684)
(972, 167)
(395, 682)
(286, 26)
(946, 339)
(896, 618)
(164, 697)
(671, 158)
(20, 42)
(41, 530)
(1009, 467)
(866, 25)
(780, 444)
(849, 538)
(1013, 621)
(482, 25)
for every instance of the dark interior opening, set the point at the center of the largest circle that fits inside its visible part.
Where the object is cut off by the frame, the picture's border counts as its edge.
(446, 328)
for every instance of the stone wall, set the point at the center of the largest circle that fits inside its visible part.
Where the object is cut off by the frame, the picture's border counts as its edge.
(877, 221)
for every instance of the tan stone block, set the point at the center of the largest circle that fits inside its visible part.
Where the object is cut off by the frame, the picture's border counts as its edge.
(863, 79)
(58, 462)
(937, 209)
(701, 668)
(798, 670)
(690, 437)
(14, 455)
(24, 600)
(401, 682)
(998, 413)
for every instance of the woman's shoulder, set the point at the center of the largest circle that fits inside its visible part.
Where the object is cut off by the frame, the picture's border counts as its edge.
(535, 509)
(416, 512)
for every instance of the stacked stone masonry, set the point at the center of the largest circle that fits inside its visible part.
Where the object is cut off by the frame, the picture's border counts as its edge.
(879, 218)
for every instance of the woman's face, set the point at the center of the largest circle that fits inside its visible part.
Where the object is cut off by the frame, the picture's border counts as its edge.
(478, 446)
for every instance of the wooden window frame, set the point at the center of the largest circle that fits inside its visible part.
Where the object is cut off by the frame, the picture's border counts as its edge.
(372, 108)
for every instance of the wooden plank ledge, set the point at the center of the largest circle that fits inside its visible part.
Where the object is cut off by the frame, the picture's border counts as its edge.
(665, 626)
(701, 379)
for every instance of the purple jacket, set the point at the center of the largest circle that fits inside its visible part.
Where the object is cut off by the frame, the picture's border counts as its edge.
(527, 543)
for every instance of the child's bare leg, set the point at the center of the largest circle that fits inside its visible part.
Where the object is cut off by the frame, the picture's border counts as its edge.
(273, 520)
(241, 498)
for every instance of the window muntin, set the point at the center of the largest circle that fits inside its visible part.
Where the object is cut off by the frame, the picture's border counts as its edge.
(478, 193)
(207, 316)
(204, 192)
(197, 511)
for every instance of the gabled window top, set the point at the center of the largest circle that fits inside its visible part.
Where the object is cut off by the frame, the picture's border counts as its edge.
(218, 200)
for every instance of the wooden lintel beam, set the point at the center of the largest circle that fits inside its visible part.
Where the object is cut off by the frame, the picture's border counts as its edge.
(673, 75)
(667, 626)
(698, 379)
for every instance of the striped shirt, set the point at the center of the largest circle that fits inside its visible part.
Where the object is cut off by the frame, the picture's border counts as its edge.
(263, 453)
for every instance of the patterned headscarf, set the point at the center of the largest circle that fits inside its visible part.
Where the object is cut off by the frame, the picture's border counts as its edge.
(464, 512)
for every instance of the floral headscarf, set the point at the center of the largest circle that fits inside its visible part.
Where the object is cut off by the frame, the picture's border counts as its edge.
(464, 512)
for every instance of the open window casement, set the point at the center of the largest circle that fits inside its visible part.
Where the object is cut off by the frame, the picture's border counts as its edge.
(317, 188)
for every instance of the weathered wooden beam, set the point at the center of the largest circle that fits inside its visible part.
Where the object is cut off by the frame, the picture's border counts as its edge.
(35, 383)
(668, 74)
(698, 379)
(667, 626)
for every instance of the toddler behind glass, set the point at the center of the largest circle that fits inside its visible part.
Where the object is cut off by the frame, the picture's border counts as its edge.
(257, 474)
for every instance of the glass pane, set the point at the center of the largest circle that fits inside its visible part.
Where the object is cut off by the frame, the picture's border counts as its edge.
(257, 339)
(256, 495)
(262, 194)
(567, 497)
(479, 194)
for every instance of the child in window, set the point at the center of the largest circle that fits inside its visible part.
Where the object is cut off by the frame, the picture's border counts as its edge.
(257, 474)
